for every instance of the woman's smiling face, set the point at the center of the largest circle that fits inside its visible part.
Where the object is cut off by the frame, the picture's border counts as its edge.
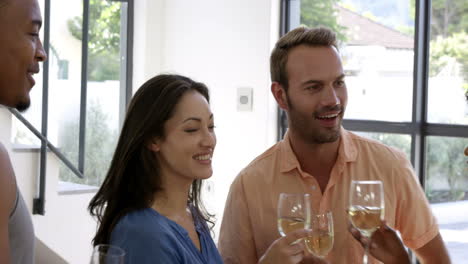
(189, 140)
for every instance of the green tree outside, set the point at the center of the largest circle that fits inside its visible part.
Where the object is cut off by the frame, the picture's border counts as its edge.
(99, 146)
(445, 160)
(104, 39)
(449, 36)
(322, 13)
(103, 64)
(449, 44)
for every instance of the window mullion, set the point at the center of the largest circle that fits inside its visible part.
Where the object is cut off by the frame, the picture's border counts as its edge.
(39, 201)
(84, 86)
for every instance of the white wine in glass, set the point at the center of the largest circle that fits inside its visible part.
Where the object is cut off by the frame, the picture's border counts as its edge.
(321, 241)
(107, 254)
(365, 218)
(366, 207)
(293, 212)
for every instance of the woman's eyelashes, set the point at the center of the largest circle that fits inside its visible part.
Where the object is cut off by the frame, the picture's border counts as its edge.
(193, 130)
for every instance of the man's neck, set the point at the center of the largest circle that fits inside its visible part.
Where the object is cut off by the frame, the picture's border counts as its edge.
(317, 159)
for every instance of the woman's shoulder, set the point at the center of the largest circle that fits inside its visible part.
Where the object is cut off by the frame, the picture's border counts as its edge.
(145, 236)
(142, 223)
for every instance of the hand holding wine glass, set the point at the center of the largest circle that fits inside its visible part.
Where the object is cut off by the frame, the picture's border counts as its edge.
(293, 224)
(286, 249)
(107, 254)
(366, 207)
(384, 245)
(293, 212)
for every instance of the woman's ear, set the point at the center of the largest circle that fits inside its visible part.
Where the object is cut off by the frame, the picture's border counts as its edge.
(154, 145)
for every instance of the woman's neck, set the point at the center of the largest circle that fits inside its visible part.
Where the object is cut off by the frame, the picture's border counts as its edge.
(171, 201)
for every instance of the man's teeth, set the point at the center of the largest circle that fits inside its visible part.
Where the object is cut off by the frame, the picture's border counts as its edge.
(203, 157)
(328, 116)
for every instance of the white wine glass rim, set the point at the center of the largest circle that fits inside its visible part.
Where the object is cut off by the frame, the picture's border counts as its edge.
(294, 194)
(367, 182)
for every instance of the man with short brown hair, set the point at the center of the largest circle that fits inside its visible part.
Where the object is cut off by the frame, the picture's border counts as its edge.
(319, 157)
(21, 51)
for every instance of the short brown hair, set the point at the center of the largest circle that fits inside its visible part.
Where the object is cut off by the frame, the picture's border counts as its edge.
(319, 36)
(3, 3)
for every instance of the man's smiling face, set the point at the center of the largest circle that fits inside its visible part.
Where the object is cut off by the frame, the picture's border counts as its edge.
(21, 50)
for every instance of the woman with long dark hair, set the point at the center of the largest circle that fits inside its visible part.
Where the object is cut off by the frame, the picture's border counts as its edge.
(149, 204)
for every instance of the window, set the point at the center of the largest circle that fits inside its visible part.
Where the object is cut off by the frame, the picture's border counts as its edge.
(407, 88)
(86, 84)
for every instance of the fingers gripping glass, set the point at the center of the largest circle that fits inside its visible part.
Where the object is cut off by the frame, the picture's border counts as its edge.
(366, 207)
(293, 212)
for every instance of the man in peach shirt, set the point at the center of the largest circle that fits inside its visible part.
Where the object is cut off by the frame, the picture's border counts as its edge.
(317, 156)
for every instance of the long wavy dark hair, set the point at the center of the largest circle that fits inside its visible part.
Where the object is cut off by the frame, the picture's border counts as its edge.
(134, 174)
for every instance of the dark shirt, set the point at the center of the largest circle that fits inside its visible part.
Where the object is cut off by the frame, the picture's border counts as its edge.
(21, 233)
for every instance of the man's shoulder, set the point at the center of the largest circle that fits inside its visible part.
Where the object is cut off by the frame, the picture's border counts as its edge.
(3, 153)
(7, 177)
(7, 183)
(263, 161)
(371, 148)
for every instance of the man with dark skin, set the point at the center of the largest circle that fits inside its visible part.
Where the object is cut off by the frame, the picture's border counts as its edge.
(21, 51)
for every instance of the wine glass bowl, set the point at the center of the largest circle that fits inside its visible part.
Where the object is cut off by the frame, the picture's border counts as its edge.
(366, 207)
(321, 241)
(293, 212)
(366, 219)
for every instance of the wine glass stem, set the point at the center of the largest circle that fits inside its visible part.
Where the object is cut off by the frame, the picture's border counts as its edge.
(366, 251)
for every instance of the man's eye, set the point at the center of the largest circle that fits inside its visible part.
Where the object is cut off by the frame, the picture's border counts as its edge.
(314, 87)
(340, 83)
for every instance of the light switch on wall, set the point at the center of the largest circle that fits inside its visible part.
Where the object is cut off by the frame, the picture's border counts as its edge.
(244, 99)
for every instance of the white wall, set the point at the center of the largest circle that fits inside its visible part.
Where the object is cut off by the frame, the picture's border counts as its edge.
(226, 45)
(66, 228)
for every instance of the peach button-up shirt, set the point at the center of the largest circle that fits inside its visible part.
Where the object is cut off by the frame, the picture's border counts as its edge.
(249, 223)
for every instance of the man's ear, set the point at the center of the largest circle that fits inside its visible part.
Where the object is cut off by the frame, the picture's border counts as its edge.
(280, 95)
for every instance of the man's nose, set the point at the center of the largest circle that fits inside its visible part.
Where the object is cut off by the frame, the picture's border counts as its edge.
(41, 55)
(330, 97)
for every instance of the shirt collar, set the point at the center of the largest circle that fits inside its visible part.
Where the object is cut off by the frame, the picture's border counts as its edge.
(347, 152)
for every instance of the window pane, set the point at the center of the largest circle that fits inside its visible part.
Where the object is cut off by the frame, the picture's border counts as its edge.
(65, 77)
(447, 190)
(104, 86)
(377, 49)
(103, 95)
(398, 141)
(448, 64)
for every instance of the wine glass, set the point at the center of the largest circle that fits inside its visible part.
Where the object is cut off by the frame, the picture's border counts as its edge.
(321, 241)
(293, 212)
(366, 207)
(107, 254)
